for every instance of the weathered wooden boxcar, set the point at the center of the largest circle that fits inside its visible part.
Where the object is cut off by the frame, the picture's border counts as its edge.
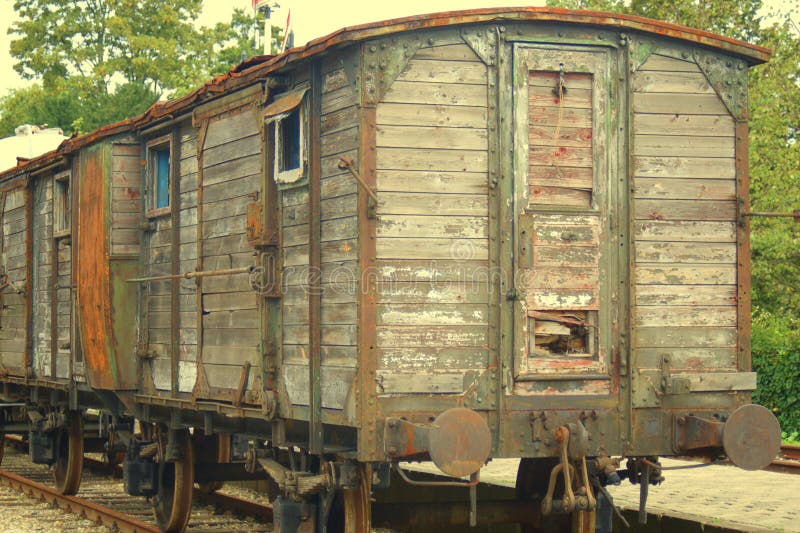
(463, 236)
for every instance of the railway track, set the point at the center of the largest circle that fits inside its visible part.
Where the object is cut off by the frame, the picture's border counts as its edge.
(789, 461)
(103, 501)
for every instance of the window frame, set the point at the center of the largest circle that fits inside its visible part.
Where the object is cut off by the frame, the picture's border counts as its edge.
(152, 148)
(283, 106)
(62, 208)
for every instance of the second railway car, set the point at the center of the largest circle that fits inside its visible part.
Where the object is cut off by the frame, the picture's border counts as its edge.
(461, 236)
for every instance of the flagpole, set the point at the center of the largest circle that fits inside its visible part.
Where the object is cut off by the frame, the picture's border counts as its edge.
(266, 6)
(286, 30)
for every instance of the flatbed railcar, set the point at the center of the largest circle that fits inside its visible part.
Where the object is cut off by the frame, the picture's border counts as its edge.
(461, 236)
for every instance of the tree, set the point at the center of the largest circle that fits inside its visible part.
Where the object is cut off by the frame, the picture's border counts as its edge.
(34, 105)
(114, 58)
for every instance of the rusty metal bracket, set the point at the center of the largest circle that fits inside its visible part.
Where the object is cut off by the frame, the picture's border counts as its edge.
(383, 61)
(297, 485)
(695, 433)
(728, 77)
(243, 379)
(405, 439)
(346, 163)
(458, 440)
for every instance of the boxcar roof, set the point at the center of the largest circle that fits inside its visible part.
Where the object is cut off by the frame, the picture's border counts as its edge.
(260, 66)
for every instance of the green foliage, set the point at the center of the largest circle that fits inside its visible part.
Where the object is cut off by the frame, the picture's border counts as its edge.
(775, 173)
(734, 19)
(34, 105)
(776, 358)
(100, 61)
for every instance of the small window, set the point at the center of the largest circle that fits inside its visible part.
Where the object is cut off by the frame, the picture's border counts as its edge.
(289, 141)
(563, 334)
(286, 118)
(61, 204)
(158, 176)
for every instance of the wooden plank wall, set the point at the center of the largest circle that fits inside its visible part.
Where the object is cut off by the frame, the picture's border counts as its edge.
(187, 300)
(432, 230)
(13, 322)
(64, 307)
(42, 272)
(126, 198)
(339, 259)
(231, 179)
(158, 262)
(684, 220)
(339, 127)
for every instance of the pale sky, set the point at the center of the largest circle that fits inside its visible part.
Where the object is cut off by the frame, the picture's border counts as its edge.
(310, 18)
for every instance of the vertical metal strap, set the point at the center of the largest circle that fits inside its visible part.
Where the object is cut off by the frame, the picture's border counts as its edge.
(175, 209)
(315, 261)
(743, 247)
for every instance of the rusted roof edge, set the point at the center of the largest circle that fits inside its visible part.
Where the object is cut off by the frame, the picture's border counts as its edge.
(259, 67)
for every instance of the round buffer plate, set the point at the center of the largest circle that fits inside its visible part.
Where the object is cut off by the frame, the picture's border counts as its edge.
(751, 437)
(460, 442)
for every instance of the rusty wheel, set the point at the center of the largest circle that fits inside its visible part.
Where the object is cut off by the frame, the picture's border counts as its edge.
(357, 503)
(212, 449)
(172, 505)
(68, 466)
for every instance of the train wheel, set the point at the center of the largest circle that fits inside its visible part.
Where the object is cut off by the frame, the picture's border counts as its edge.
(357, 503)
(68, 467)
(212, 449)
(172, 505)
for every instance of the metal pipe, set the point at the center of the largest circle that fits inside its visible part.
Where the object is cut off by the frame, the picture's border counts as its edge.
(190, 275)
(794, 214)
(347, 163)
(474, 480)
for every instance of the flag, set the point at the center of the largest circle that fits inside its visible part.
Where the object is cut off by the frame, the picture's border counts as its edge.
(286, 30)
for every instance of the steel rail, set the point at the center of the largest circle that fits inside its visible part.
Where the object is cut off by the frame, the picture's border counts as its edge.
(98, 514)
(791, 452)
(240, 506)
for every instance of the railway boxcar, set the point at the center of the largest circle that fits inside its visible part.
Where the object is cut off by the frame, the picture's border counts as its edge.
(462, 236)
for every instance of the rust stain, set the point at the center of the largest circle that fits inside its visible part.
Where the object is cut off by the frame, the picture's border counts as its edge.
(93, 269)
